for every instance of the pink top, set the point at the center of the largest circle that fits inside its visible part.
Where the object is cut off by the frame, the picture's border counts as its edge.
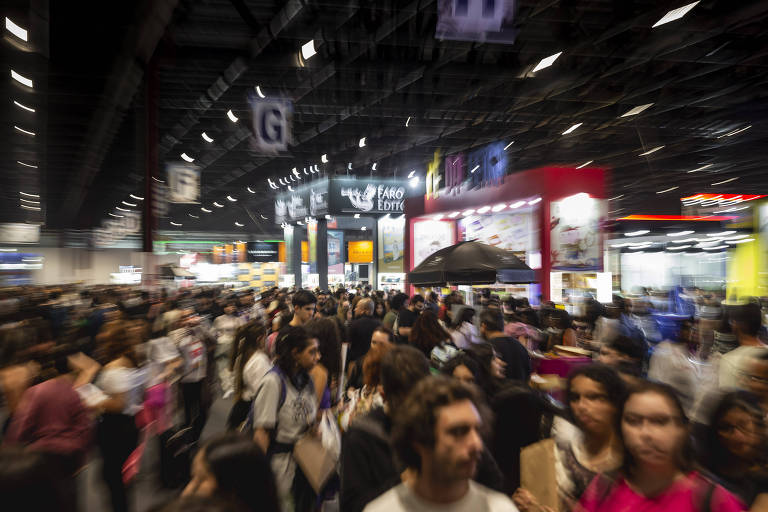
(685, 495)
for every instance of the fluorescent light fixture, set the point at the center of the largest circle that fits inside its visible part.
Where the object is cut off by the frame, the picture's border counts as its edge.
(657, 148)
(507, 146)
(475, 168)
(263, 217)
(16, 30)
(206, 138)
(742, 241)
(723, 233)
(349, 165)
(454, 215)
(725, 181)
(638, 232)
(35, 208)
(681, 233)
(30, 201)
(299, 223)
(670, 189)
(22, 130)
(316, 169)
(675, 14)
(362, 142)
(194, 216)
(468, 212)
(584, 164)
(137, 197)
(483, 209)
(373, 167)
(116, 215)
(28, 109)
(324, 158)
(410, 174)
(238, 224)
(517, 204)
(715, 248)
(438, 216)
(249, 189)
(308, 49)
(407, 121)
(363, 228)
(126, 203)
(230, 198)
(701, 168)
(546, 62)
(498, 207)
(327, 217)
(29, 195)
(290, 189)
(176, 223)
(357, 215)
(538, 199)
(217, 205)
(679, 247)
(572, 128)
(122, 209)
(414, 182)
(187, 158)
(22, 79)
(26, 164)
(206, 210)
(232, 117)
(636, 110)
(258, 91)
(734, 132)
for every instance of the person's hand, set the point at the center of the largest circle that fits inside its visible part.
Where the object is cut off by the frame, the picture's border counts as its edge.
(525, 501)
(408, 476)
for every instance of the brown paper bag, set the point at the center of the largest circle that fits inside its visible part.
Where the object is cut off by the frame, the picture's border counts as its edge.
(317, 463)
(537, 472)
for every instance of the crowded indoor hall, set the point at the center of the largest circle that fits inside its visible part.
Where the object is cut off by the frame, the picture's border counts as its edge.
(384, 256)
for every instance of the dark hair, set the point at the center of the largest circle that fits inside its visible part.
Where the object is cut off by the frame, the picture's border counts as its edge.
(398, 301)
(630, 347)
(714, 455)
(461, 359)
(242, 472)
(416, 418)
(466, 315)
(376, 303)
(748, 318)
(326, 330)
(685, 459)
(372, 365)
(492, 320)
(303, 298)
(386, 330)
(604, 375)
(432, 296)
(401, 368)
(249, 338)
(417, 298)
(483, 354)
(427, 333)
(289, 339)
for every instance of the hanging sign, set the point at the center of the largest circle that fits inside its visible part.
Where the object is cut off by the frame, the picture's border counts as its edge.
(271, 124)
(367, 195)
(183, 183)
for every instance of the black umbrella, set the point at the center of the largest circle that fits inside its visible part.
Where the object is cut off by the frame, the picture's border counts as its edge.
(471, 263)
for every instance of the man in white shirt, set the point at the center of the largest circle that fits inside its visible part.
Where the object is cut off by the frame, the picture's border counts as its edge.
(437, 434)
(225, 327)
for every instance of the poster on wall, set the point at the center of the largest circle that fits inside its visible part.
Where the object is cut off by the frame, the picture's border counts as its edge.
(360, 251)
(430, 236)
(512, 232)
(575, 233)
(288, 237)
(312, 238)
(335, 252)
(263, 251)
(390, 256)
(367, 195)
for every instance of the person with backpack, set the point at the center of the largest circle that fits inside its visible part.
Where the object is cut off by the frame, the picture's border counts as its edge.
(284, 410)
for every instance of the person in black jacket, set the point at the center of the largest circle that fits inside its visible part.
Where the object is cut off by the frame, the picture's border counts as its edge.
(361, 329)
(511, 351)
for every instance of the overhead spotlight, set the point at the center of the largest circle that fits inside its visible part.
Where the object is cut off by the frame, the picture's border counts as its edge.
(206, 138)
(317, 169)
(137, 197)
(474, 169)
(22, 79)
(636, 110)
(272, 184)
(263, 217)
(121, 209)
(516, 204)
(290, 188)
(290, 176)
(373, 167)
(26, 164)
(498, 207)
(22, 130)
(467, 213)
(296, 173)
(30, 201)
(238, 224)
(454, 215)
(217, 205)
(637, 233)
(158, 180)
(572, 128)
(206, 210)
(681, 233)
(357, 215)
(484, 209)
(324, 158)
(546, 62)
(308, 49)
(187, 158)
(363, 228)
(299, 223)
(16, 30)
(657, 148)
(194, 216)
(407, 121)
(281, 182)
(584, 164)
(232, 117)
(670, 189)
(305, 171)
(725, 181)
(675, 14)
(538, 199)
(126, 203)
(178, 224)
(328, 217)
(508, 145)
(349, 166)
(115, 215)
(230, 198)
(437, 216)
(734, 132)
(414, 182)
(362, 142)
(410, 174)
(29, 195)
(701, 168)
(258, 91)
(249, 189)
(28, 109)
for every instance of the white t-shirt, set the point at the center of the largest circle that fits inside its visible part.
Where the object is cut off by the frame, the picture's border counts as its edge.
(225, 327)
(253, 372)
(478, 499)
(466, 335)
(127, 381)
(194, 354)
(159, 352)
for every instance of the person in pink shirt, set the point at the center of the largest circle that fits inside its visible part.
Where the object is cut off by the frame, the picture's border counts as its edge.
(657, 473)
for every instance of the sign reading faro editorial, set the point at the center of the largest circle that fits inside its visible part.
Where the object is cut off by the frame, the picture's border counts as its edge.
(367, 195)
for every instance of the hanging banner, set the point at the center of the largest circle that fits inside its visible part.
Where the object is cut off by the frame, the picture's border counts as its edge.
(361, 251)
(391, 233)
(575, 233)
(271, 124)
(308, 199)
(183, 182)
(288, 237)
(489, 21)
(335, 252)
(367, 195)
(487, 166)
(312, 238)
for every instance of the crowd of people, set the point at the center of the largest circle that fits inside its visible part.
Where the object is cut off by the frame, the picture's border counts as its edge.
(364, 400)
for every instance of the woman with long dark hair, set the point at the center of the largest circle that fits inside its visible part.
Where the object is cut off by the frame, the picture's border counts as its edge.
(429, 336)
(250, 364)
(327, 372)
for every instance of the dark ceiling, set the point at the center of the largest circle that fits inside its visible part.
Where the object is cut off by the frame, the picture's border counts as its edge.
(378, 64)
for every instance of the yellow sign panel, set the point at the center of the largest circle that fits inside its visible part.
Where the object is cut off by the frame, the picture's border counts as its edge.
(361, 252)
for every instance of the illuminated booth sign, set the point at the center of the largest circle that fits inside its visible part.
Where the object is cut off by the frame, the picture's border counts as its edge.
(263, 251)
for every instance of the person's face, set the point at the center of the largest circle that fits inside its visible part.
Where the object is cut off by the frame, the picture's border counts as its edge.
(590, 405)
(498, 367)
(418, 306)
(653, 431)
(458, 444)
(229, 310)
(305, 313)
(308, 358)
(202, 483)
(463, 374)
(361, 308)
(321, 299)
(609, 356)
(379, 309)
(757, 380)
(379, 339)
(739, 432)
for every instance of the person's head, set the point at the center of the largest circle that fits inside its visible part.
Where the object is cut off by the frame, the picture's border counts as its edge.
(622, 349)
(438, 430)
(230, 308)
(382, 335)
(736, 432)
(432, 296)
(427, 332)
(492, 367)
(304, 303)
(463, 368)
(326, 331)
(746, 320)
(757, 376)
(401, 368)
(364, 307)
(372, 364)
(252, 335)
(654, 429)
(417, 303)
(234, 467)
(398, 301)
(322, 296)
(491, 323)
(296, 350)
(379, 310)
(595, 394)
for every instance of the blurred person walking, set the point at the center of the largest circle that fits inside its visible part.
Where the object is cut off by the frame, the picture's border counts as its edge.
(224, 328)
